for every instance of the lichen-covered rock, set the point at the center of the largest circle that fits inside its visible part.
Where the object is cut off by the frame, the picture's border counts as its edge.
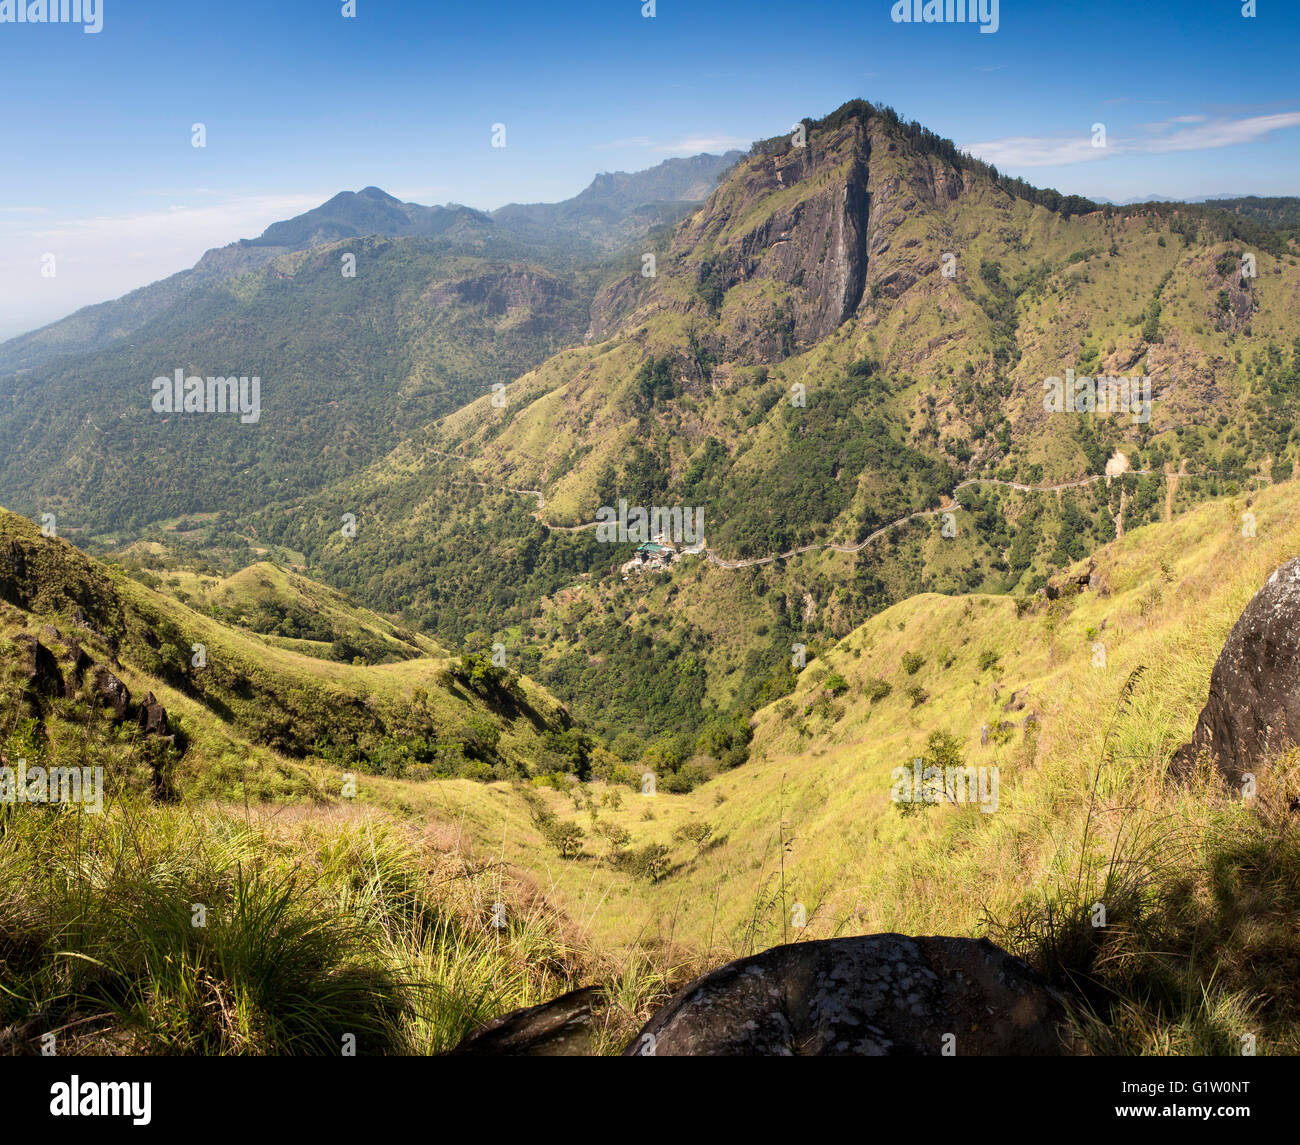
(110, 691)
(877, 995)
(1253, 708)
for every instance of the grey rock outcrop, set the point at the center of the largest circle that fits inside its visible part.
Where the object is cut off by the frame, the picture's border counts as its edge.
(110, 691)
(1253, 709)
(40, 670)
(878, 995)
(153, 716)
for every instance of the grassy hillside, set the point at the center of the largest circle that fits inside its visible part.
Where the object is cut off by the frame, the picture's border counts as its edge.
(329, 906)
(153, 929)
(1078, 702)
(250, 701)
(1085, 812)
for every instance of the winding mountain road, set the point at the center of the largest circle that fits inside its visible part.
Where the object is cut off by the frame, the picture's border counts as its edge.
(948, 507)
(721, 562)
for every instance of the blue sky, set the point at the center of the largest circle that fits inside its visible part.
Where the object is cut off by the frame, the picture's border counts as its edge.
(300, 102)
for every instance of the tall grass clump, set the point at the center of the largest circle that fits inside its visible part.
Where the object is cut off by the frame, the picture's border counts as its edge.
(148, 930)
(1178, 935)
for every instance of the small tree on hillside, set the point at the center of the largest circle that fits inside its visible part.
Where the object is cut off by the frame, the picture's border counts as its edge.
(566, 838)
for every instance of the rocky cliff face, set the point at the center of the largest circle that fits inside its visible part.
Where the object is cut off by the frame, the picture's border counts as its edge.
(810, 234)
(504, 288)
(810, 231)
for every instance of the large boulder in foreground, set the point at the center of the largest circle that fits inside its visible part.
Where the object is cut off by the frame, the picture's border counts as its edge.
(878, 995)
(1254, 706)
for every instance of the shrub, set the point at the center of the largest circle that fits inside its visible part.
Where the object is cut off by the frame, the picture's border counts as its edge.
(618, 837)
(877, 689)
(565, 837)
(943, 750)
(698, 833)
(684, 779)
(651, 861)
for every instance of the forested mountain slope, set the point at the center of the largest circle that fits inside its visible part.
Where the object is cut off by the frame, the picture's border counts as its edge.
(844, 349)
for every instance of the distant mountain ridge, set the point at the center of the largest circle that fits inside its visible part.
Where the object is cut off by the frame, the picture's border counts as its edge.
(609, 211)
(1218, 196)
(370, 211)
(614, 209)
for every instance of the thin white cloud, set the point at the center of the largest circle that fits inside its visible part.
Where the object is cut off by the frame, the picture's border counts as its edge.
(1036, 150)
(211, 225)
(1180, 133)
(698, 143)
(100, 257)
(615, 144)
(692, 145)
(1225, 133)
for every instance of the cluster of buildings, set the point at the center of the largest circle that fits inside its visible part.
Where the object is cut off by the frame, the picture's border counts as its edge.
(657, 555)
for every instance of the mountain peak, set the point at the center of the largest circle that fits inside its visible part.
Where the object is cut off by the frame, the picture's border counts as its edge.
(351, 214)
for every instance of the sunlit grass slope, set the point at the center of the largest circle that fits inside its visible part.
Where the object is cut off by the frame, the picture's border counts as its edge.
(1080, 703)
